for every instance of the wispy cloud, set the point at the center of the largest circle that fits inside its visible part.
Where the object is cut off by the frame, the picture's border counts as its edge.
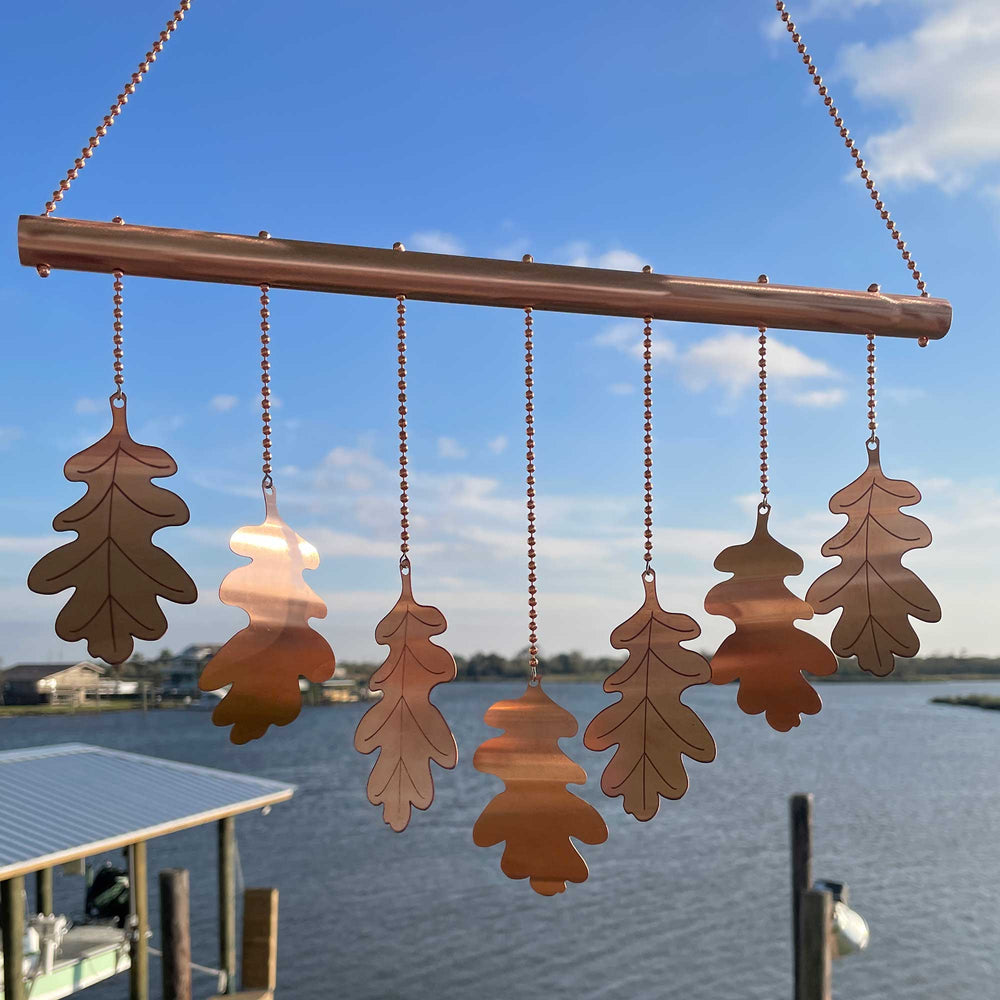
(87, 405)
(435, 241)
(580, 253)
(498, 444)
(448, 447)
(820, 397)
(943, 80)
(8, 435)
(32, 544)
(223, 403)
(729, 360)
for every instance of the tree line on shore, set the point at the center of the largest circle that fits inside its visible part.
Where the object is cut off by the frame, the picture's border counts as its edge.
(575, 666)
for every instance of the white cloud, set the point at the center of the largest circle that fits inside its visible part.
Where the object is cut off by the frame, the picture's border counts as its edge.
(579, 253)
(449, 448)
(626, 335)
(38, 545)
(621, 388)
(434, 241)
(774, 27)
(87, 405)
(8, 435)
(902, 393)
(223, 403)
(943, 79)
(498, 444)
(342, 544)
(820, 397)
(729, 359)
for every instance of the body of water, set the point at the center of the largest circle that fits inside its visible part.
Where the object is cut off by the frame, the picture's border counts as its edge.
(693, 905)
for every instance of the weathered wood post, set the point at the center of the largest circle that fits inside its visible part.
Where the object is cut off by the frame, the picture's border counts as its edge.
(816, 964)
(43, 891)
(175, 927)
(260, 939)
(12, 916)
(139, 897)
(800, 828)
(227, 901)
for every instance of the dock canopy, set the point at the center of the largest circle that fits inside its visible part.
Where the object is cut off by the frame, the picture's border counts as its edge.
(69, 801)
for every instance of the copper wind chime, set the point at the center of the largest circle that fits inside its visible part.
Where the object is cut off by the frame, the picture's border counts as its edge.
(118, 576)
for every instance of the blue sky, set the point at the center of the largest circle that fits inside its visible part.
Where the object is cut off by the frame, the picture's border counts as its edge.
(685, 137)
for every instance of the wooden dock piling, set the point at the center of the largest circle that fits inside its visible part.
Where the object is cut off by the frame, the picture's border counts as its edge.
(227, 901)
(139, 896)
(260, 939)
(12, 917)
(175, 929)
(800, 830)
(816, 965)
(43, 891)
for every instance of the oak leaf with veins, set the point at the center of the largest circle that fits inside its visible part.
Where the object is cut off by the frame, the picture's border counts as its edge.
(650, 725)
(115, 569)
(404, 725)
(263, 662)
(877, 592)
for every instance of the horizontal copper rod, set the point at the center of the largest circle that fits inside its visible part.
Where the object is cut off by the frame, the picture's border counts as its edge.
(145, 251)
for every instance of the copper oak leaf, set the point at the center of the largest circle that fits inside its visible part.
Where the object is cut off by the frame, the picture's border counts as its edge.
(536, 814)
(652, 728)
(404, 724)
(877, 592)
(766, 653)
(116, 570)
(264, 661)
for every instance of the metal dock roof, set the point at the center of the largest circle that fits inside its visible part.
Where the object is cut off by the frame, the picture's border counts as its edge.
(68, 801)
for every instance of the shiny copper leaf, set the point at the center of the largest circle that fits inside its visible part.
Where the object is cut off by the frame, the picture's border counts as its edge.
(536, 814)
(650, 725)
(767, 653)
(404, 725)
(116, 570)
(264, 661)
(878, 593)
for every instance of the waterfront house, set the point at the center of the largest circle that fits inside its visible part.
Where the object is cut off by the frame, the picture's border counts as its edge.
(183, 670)
(51, 683)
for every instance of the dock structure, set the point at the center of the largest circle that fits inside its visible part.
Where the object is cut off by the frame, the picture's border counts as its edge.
(152, 798)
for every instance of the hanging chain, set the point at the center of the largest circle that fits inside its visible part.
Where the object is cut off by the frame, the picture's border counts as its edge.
(765, 504)
(872, 418)
(529, 426)
(404, 496)
(762, 364)
(116, 109)
(853, 148)
(118, 326)
(265, 383)
(647, 392)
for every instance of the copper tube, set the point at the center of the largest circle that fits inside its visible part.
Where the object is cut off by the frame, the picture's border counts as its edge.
(145, 251)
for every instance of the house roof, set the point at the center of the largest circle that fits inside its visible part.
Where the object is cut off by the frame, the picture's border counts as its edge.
(70, 801)
(38, 671)
(199, 650)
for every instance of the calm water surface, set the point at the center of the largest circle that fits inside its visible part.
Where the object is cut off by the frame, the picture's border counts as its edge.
(692, 905)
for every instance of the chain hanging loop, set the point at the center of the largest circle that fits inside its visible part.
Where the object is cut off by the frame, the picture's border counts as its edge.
(265, 383)
(116, 109)
(872, 416)
(765, 490)
(529, 425)
(119, 368)
(853, 149)
(647, 392)
(404, 496)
